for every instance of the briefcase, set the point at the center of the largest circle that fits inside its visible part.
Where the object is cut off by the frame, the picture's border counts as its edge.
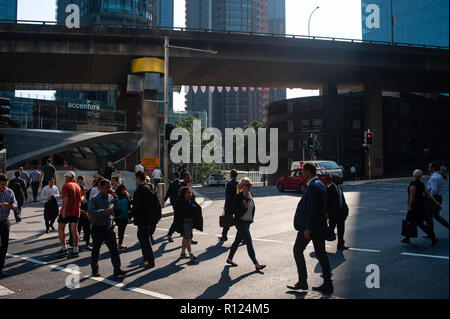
(226, 220)
(409, 229)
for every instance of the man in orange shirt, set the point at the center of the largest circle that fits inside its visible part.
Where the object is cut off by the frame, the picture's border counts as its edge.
(69, 214)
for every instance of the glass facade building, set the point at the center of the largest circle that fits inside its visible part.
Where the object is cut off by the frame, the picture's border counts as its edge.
(241, 107)
(8, 9)
(423, 22)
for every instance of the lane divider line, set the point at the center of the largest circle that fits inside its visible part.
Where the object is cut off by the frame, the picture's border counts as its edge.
(422, 255)
(99, 279)
(5, 291)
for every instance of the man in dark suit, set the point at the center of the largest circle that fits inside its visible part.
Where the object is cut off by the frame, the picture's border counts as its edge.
(172, 194)
(337, 210)
(311, 224)
(230, 197)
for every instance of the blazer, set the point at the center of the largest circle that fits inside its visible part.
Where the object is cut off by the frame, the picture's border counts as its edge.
(146, 209)
(230, 196)
(239, 207)
(333, 209)
(183, 209)
(310, 213)
(172, 191)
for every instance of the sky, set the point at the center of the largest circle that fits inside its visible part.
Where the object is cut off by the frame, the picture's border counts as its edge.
(334, 18)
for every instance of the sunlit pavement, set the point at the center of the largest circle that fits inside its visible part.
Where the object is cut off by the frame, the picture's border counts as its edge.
(372, 231)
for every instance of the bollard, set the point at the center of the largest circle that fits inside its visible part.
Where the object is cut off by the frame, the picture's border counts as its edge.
(161, 193)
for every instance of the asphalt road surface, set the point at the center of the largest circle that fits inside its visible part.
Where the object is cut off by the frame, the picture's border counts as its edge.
(372, 231)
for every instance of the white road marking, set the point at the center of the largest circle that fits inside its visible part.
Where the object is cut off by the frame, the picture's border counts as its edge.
(367, 250)
(382, 209)
(268, 240)
(99, 279)
(5, 291)
(421, 255)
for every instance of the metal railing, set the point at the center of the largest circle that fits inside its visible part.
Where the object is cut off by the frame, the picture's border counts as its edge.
(273, 35)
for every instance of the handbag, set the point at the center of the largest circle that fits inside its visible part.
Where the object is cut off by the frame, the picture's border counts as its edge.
(226, 220)
(409, 229)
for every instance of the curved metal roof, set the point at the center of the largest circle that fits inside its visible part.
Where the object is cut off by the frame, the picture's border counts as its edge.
(84, 150)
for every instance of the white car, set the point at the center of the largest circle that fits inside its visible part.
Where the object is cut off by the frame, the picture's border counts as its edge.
(214, 179)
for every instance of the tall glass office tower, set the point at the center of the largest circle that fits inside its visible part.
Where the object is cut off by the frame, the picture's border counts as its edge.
(235, 109)
(424, 22)
(8, 9)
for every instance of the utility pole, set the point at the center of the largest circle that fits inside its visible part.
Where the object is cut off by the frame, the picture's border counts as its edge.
(166, 107)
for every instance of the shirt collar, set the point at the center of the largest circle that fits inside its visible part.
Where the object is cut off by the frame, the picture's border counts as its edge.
(312, 179)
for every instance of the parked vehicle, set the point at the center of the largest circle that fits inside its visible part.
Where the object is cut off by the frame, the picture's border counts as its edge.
(324, 167)
(294, 180)
(214, 179)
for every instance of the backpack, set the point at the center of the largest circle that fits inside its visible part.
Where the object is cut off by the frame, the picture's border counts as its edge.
(153, 203)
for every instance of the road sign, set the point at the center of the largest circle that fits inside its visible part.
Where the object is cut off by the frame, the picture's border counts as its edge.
(150, 162)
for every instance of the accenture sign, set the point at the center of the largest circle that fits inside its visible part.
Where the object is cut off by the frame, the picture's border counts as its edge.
(90, 107)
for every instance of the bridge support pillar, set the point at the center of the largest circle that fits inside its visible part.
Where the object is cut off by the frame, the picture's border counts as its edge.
(149, 125)
(131, 105)
(373, 120)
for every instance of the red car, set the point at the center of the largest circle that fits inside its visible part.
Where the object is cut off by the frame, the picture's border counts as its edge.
(294, 180)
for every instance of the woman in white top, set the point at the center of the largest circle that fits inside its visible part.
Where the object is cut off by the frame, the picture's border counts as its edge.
(49, 195)
(244, 210)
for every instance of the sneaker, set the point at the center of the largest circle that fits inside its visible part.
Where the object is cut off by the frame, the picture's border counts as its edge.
(192, 257)
(62, 252)
(194, 242)
(74, 254)
(326, 288)
(119, 273)
(183, 256)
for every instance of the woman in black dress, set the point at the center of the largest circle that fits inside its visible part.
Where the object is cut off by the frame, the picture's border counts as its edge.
(416, 206)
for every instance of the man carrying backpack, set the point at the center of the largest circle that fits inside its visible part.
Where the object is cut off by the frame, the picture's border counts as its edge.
(18, 186)
(146, 212)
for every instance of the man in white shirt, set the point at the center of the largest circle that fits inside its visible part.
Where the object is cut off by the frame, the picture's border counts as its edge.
(156, 174)
(435, 186)
(49, 195)
(139, 168)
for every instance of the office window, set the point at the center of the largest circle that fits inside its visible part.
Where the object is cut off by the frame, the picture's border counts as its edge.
(318, 123)
(290, 126)
(290, 145)
(304, 124)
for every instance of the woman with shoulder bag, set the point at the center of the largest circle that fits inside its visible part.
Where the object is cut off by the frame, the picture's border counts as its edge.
(188, 215)
(244, 209)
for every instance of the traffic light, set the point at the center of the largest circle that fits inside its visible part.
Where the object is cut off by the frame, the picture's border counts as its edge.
(366, 149)
(167, 131)
(369, 138)
(310, 143)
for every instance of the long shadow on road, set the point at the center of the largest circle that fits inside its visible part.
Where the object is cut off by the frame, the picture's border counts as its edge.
(221, 288)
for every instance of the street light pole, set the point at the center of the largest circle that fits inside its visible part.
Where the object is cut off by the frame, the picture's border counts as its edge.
(309, 21)
(167, 47)
(166, 107)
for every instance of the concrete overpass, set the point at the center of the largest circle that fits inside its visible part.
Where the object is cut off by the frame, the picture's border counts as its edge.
(54, 55)
(99, 58)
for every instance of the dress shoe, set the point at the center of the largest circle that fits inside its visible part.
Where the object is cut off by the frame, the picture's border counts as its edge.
(223, 238)
(194, 242)
(326, 288)
(119, 273)
(301, 285)
(342, 247)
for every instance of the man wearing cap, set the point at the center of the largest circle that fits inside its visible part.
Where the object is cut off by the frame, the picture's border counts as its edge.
(69, 214)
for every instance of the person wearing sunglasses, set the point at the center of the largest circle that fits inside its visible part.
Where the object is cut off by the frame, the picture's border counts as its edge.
(244, 213)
